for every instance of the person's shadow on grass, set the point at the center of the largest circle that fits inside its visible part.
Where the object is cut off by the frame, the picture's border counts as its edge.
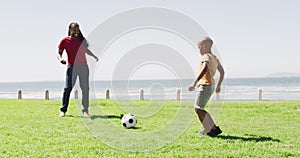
(93, 117)
(248, 137)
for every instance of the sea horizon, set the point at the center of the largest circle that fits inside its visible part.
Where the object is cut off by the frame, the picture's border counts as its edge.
(274, 88)
(256, 77)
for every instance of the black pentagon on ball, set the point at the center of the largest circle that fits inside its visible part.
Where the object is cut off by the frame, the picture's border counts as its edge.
(130, 120)
(124, 124)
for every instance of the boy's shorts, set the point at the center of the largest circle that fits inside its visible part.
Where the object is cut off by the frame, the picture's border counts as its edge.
(203, 95)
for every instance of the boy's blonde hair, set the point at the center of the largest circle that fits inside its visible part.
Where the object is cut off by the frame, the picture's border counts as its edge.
(206, 41)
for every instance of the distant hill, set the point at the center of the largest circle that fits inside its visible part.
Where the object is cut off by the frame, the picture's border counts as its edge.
(284, 74)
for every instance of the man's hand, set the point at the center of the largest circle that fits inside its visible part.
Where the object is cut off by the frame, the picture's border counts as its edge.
(60, 58)
(97, 59)
(63, 62)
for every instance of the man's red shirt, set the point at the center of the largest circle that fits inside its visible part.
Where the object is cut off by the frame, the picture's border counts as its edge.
(75, 50)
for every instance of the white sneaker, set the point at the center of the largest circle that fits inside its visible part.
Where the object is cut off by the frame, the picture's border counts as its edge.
(202, 133)
(86, 114)
(62, 114)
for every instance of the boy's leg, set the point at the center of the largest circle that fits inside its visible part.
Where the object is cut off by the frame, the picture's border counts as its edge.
(205, 119)
(203, 95)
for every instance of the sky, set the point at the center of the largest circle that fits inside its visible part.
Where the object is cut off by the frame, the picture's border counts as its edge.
(251, 38)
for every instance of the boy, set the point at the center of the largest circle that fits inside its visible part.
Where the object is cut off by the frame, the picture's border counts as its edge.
(208, 65)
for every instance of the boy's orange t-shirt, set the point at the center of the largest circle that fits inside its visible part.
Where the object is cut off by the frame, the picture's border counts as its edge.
(213, 63)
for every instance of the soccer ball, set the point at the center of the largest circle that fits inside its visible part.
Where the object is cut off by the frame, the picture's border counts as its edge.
(128, 121)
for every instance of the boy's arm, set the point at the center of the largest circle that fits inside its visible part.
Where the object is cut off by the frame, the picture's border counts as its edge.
(199, 76)
(89, 52)
(221, 70)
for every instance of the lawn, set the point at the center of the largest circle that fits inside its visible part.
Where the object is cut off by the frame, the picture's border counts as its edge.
(32, 128)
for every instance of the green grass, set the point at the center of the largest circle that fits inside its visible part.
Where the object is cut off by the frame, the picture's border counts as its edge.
(32, 128)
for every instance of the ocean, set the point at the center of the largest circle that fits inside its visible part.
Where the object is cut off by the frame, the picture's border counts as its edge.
(285, 88)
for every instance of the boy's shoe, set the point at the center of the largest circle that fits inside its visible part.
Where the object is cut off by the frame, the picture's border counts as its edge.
(202, 133)
(215, 132)
(62, 114)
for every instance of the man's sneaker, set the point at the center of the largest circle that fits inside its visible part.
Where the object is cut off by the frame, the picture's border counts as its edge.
(86, 114)
(62, 114)
(215, 132)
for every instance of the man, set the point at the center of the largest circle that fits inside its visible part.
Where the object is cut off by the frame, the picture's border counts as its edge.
(76, 47)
